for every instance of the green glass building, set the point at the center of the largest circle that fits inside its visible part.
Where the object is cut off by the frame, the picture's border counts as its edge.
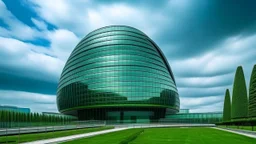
(210, 117)
(117, 73)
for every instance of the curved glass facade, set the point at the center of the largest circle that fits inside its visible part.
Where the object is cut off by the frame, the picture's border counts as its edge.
(117, 73)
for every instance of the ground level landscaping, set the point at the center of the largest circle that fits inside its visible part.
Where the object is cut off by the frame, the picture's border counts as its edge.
(167, 135)
(47, 135)
(238, 127)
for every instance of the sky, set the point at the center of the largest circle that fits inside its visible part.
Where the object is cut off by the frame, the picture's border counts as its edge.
(203, 41)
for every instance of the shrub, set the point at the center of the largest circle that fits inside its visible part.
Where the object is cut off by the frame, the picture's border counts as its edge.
(227, 107)
(252, 94)
(239, 99)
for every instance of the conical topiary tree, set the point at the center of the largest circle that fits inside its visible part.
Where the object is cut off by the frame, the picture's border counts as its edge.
(252, 94)
(227, 107)
(239, 98)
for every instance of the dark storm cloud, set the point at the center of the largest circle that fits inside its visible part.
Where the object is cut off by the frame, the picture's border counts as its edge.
(195, 29)
(19, 83)
(28, 80)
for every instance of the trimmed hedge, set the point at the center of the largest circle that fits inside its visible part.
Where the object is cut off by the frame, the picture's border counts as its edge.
(243, 111)
(131, 137)
(227, 107)
(239, 99)
(252, 94)
(10, 119)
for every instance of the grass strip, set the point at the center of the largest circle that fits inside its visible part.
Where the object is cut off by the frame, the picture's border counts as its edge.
(109, 138)
(131, 137)
(197, 135)
(183, 135)
(47, 135)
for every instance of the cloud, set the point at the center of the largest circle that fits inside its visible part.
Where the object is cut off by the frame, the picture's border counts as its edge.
(90, 16)
(201, 92)
(36, 102)
(40, 24)
(203, 101)
(205, 82)
(62, 42)
(28, 67)
(195, 27)
(23, 57)
(35, 68)
(70, 15)
(223, 59)
(16, 28)
(213, 107)
(212, 73)
(205, 104)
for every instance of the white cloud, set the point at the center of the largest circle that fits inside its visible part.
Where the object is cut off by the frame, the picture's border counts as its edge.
(121, 14)
(36, 102)
(29, 60)
(205, 82)
(81, 17)
(226, 57)
(202, 92)
(212, 73)
(40, 24)
(16, 28)
(71, 15)
(205, 104)
(62, 42)
(212, 107)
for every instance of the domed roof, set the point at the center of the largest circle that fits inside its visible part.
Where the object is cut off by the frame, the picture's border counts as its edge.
(120, 31)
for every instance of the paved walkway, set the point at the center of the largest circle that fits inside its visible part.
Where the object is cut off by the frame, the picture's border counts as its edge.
(24, 130)
(247, 133)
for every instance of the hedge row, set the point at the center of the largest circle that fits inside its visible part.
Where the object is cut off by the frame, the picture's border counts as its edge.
(241, 110)
(227, 107)
(14, 119)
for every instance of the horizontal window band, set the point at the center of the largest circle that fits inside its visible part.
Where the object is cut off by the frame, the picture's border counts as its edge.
(118, 106)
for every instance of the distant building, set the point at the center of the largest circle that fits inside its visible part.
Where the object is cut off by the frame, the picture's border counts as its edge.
(15, 109)
(52, 113)
(212, 117)
(57, 114)
(185, 117)
(184, 111)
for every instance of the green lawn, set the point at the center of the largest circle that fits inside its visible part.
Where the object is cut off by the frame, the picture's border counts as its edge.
(191, 136)
(40, 136)
(110, 138)
(170, 136)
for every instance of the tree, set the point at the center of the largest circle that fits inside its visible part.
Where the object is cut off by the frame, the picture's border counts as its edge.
(252, 94)
(239, 99)
(1, 116)
(227, 107)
